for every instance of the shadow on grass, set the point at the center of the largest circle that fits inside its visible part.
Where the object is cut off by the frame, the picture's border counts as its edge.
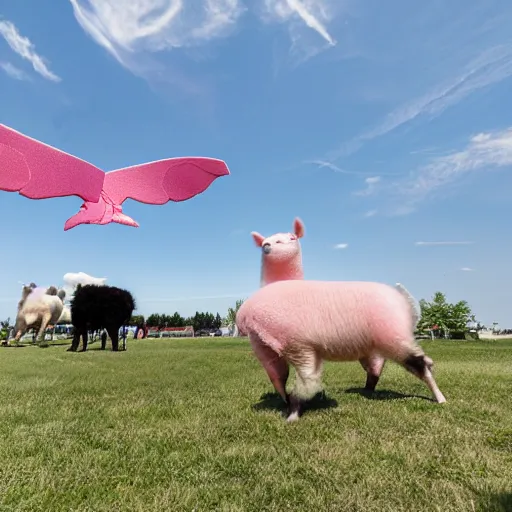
(384, 394)
(501, 502)
(273, 401)
(29, 344)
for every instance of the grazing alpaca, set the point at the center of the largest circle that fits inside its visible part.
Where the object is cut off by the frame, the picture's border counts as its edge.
(281, 257)
(303, 323)
(37, 308)
(95, 307)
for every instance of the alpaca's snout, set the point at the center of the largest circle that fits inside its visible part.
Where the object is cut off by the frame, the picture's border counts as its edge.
(266, 248)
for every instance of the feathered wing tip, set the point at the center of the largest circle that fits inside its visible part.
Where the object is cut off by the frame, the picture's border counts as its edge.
(415, 309)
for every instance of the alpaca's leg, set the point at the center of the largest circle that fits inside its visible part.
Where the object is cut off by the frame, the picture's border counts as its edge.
(124, 338)
(308, 381)
(20, 328)
(76, 341)
(421, 366)
(103, 340)
(276, 366)
(373, 366)
(41, 334)
(113, 332)
(17, 337)
(85, 339)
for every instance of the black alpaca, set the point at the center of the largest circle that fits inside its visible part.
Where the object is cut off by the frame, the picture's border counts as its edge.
(96, 307)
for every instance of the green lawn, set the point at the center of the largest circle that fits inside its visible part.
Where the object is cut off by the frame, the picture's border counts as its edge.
(194, 425)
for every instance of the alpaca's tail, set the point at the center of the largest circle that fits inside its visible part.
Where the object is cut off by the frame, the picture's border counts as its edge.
(415, 309)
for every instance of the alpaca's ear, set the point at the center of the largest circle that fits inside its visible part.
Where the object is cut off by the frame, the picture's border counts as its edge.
(258, 239)
(298, 227)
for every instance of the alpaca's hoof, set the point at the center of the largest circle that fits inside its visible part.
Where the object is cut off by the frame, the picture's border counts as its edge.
(294, 416)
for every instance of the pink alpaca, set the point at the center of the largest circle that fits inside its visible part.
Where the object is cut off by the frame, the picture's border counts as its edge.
(281, 260)
(303, 323)
(281, 257)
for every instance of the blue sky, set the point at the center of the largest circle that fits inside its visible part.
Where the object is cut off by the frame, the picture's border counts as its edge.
(385, 126)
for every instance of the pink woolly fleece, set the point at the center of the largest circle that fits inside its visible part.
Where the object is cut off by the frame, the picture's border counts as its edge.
(359, 317)
(281, 256)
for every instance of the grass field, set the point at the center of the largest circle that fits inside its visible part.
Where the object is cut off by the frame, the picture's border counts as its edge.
(194, 425)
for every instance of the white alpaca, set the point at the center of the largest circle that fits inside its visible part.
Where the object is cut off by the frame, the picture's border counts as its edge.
(38, 308)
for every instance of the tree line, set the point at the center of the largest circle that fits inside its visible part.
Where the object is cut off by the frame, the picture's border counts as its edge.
(201, 320)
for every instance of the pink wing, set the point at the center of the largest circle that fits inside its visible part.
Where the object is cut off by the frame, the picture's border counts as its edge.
(173, 179)
(39, 171)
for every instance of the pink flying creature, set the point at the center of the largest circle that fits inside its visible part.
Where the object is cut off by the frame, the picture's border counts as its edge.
(39, 171)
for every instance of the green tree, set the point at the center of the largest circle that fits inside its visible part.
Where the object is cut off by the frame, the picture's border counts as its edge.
(153, 320)
(231, 316)
(4, 328)
(197, 321)
(217, 322)
(137, 320)
(444, 317)
(177, 320)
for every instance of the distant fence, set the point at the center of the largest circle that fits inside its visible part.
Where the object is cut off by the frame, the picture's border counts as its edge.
(171, 332)
(491, 336)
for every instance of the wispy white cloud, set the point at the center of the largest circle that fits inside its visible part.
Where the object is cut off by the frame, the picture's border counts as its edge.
(445, 243)
(484, 151)
(329, 165)
(132, 30)
(315, 14)
(26, 50)
(371, 185)
(14, 72)
(341, 246)
(491, 66)
(125, 26)
(370, 213)
(467, 269)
